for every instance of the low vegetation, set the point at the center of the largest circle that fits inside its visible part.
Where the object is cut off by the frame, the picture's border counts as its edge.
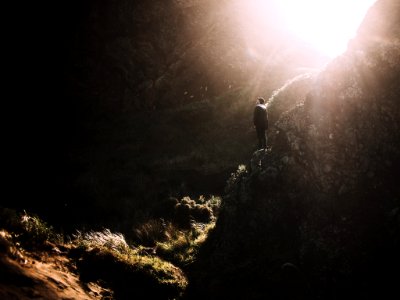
(150, 265)
(185, 225)
(28, 230)
(130, 271)
(182, 247)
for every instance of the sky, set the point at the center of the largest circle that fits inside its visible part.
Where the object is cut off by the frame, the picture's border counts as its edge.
(326, 25)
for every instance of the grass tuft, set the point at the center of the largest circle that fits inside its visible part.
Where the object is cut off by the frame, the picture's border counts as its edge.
(183, 245)
(28, 230)
(105, 239)
(131, 271)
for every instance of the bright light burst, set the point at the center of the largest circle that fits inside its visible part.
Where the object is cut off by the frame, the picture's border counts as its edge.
(327, 25)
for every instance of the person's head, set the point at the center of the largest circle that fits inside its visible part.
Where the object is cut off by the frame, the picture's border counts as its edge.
(261, 100)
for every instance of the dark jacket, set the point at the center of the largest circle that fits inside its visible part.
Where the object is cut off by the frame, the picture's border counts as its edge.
(260, 117)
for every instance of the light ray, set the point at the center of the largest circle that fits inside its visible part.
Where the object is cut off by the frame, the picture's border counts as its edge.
(326, 25)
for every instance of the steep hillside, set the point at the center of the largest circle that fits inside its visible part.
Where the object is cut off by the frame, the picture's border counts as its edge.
(37, 262)
(317, 217)
(124, 103)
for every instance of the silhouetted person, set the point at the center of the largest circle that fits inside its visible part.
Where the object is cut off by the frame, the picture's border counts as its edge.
(260, 118)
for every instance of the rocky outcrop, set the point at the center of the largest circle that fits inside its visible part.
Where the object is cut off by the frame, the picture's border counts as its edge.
(317, 216)
(293, 93)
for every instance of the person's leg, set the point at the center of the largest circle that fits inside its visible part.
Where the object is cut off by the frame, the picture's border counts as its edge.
(264, 140)
(261, 138)
(258, 138)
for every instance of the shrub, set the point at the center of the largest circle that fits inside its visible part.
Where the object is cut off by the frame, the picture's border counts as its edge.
(28, 229)
(188, 211)
(181, 213)
(234, 178)
(214, 203)
(131, 274)
(182, 248)
(102, 239)
(36, 230)
(149, 233)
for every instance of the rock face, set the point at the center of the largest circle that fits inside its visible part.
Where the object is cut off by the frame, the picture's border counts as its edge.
(317, 217)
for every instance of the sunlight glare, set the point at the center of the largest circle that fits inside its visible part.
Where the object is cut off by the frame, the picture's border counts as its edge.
(326, 25)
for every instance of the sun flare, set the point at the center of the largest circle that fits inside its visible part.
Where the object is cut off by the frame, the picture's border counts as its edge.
(326, 25)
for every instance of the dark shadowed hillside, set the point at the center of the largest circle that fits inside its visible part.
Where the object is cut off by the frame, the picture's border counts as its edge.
(317, 216)
(136, 116)
(117, 105)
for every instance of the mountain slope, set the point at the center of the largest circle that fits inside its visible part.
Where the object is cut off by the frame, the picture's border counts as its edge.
(318, 215)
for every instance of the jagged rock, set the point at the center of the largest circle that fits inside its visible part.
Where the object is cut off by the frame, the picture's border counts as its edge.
(257, 160)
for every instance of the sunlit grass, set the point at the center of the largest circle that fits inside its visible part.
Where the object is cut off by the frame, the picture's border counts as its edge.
(98, 254)
(179, 238)
(28, 230)
(103, 239)
(182, 247)
(108, 244)
(37, 230)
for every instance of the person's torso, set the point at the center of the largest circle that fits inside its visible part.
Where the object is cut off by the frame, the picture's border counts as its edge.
(260, 115)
